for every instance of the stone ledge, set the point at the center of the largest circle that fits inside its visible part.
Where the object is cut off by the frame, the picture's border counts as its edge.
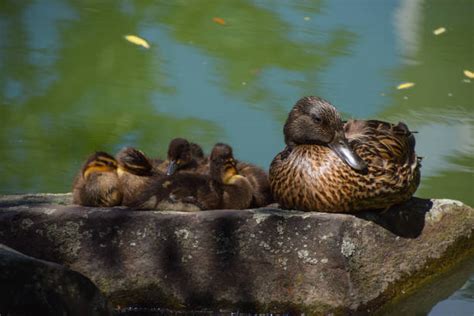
(265, 259)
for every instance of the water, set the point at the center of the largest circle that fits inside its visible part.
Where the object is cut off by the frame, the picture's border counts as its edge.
(71, 84)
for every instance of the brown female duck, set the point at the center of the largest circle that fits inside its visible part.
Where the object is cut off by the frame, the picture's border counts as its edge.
(224, 188)
(97, 183)
(184, 156)
(335, 167)
(135, 173)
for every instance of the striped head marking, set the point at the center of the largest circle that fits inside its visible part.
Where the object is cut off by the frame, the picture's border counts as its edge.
(99, 162)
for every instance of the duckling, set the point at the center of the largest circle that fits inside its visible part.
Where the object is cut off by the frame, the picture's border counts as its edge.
(135, 173)
(97, 183)
(258, 178)
(238, 191)
(184, 156)
(333, 166)
(223, 188)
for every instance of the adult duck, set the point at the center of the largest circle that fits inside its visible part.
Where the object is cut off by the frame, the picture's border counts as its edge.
(333, 166)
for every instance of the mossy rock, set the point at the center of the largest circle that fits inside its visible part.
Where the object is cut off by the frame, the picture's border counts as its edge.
(261, 260)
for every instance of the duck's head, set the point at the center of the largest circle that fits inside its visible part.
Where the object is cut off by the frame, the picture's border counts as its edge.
(313, 120)
(99, 162)
(133, 161)
(182, 154)
(222, 164)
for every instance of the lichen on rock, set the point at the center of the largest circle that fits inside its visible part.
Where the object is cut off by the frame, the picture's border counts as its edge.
(251, 260)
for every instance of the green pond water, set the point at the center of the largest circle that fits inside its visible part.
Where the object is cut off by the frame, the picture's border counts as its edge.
(71, 84)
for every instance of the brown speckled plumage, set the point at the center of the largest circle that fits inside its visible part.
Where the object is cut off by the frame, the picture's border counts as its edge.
(308, 175)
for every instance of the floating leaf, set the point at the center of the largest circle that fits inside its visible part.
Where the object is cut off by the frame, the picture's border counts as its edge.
(405, 85)
(469, 74)
(218, 20)
(137, 40)
(439, 31)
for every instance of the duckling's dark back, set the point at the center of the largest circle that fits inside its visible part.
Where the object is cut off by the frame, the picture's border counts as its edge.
(258, 179)
(136, 173)
(186, 188)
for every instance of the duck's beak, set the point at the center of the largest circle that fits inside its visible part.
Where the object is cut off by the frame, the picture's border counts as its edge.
(172, 167)
(340, 145)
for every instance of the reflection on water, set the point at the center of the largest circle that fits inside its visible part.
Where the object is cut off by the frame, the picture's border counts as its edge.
(70, 84)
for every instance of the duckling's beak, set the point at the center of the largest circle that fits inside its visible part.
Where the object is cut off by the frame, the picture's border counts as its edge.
(340, 145)
(172, 167)
(230, 162)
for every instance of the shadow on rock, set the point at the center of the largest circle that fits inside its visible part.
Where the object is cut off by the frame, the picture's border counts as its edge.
(29, 286)
(106, 230)
(179, 271)
(405, 220)
(228, 264)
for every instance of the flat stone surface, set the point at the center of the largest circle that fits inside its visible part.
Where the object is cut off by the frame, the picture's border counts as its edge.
(267, 260)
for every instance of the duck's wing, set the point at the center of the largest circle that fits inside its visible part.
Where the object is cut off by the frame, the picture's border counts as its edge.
(383, 141)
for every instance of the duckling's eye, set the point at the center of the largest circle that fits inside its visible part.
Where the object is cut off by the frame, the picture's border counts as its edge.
(316, 118)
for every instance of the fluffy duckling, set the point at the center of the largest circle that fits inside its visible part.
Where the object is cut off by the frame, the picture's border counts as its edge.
(258, 178)
(184, 156)
(97, 183)
(223, 170)
(224, 188)
(135, 173)
(332, 166)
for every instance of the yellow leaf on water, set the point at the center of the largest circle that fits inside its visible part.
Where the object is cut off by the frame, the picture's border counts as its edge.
(137, 40)
(218, 20)
(469, 74)
(405, 85)
(439, 30)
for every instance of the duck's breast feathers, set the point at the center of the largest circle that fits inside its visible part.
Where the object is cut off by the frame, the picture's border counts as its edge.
(305, 161)
(390, 142)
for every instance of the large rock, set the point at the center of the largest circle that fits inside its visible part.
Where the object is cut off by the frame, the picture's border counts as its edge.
(252, 260)
(34, 287)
